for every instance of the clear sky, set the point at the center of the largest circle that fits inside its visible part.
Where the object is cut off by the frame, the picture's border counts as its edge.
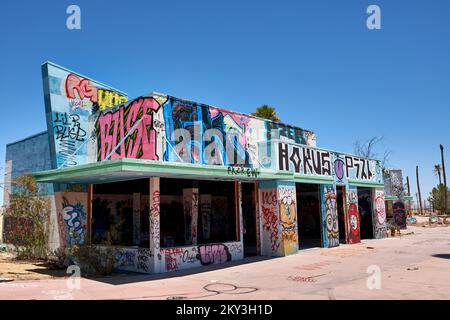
(315, 61)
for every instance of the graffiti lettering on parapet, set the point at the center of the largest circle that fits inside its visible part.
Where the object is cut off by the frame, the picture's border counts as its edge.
(113, 126)
(213, 253)
(331, 218)
(74, 216)
(67, 127)
(85, 95)
(305, 160)
(294, 134)
(311, 161)
(242, 171)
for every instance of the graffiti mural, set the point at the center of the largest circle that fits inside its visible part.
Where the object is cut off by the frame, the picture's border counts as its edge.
(115, 126)
(213, 253)
(70, 101)
(399, 214)
(288, 218)
(143, 259)
(379, 219)
(71, 217)
(354, 235)
(330, 216)
(316, 162)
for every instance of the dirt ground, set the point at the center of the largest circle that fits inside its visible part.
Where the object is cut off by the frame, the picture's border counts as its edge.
(11, 269)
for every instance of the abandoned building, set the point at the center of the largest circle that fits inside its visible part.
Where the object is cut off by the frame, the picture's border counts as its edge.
(188, 184)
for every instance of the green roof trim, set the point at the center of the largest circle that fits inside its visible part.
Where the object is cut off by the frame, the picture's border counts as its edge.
(369, 184)
(394, 198)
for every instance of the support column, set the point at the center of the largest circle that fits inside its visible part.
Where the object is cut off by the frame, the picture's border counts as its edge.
(190, 208)
(379, 214)
(278, 223)
(136, 219)
(155, 254)
(330, 227)
(205, 212)
(354, 224)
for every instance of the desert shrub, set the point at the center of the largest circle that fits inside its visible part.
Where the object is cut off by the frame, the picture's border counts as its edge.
(27, 219)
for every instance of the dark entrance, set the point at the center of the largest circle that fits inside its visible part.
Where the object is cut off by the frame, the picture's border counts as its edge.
(340, 202)
(365, 212)
(249, 218)
(308, 215)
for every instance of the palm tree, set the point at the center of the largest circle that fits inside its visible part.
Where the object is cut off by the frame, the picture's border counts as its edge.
(445, 178)
(266, 112)
(437, 171)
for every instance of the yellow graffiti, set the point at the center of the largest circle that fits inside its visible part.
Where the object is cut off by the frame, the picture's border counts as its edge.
(288, 217)
(107, 99)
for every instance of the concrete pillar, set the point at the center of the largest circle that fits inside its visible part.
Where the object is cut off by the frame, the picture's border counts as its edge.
(155, 199)
(353, 221)
(190, 208)
(329, 214)
(278, 223)
(136, 218)
(379, 214)
(205, 212)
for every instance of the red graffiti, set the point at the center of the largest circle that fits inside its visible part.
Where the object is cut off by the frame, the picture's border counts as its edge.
(82, 86)
(353, 219)
(112, 127)
(271, 225)
(171, 263)
(214, 253)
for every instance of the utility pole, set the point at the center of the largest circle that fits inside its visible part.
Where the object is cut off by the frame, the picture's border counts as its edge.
(445, 179)
(418, 190)
(409, 191)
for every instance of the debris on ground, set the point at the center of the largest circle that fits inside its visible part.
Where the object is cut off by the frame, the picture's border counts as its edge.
(370, 247)
(3, 248)
(412, 268)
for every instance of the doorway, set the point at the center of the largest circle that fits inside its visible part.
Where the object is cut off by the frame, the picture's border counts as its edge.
(365, 212)
(340, 202)
(249, 218)
(308, 215)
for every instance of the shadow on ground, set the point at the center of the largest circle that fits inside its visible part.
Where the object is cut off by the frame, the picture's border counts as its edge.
(441, 255)
(122, 277)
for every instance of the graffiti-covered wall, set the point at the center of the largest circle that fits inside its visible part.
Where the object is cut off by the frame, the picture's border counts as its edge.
(70, 102)
(85, 127)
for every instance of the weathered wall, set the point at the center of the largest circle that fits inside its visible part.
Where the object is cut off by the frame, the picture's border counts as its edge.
(26, 156)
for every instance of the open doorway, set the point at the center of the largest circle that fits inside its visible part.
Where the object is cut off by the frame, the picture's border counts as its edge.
(249, 219)
(365, 212)
(340, 202)
(308, 215)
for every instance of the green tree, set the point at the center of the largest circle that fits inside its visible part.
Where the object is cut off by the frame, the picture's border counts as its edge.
(436, 197)
(266, 112)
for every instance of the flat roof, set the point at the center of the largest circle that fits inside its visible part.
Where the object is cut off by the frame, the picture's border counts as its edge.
(130, 169)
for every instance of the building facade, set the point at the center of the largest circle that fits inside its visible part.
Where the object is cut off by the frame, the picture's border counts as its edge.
(183, 184)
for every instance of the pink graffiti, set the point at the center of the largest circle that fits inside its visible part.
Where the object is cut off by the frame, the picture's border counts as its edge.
(82, 86)
(214, 253)
(171, 263)
(114, 126)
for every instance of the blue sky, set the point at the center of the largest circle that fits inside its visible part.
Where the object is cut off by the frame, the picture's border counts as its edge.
(315, 61)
